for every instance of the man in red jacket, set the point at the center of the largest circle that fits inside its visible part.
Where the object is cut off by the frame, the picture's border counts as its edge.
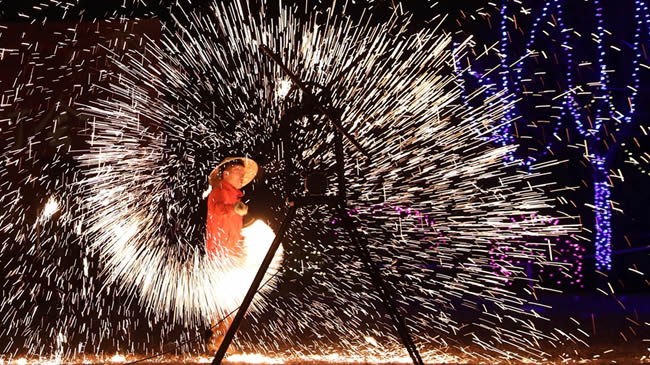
(225, 219)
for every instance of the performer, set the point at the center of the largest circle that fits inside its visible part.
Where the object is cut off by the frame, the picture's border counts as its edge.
(225, 220)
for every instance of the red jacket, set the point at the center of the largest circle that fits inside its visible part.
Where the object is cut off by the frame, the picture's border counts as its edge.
(223, 226)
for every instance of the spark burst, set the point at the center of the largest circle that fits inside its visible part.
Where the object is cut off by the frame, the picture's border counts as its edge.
(163, 112)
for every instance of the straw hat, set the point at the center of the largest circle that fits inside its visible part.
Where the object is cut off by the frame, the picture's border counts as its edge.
(250, 169)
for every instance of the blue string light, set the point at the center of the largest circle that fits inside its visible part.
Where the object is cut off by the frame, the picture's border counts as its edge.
(606, 94)
(603, 219)
(568, 102)
(519, 67)
(605, 110)
(639, 8)
(503, 136)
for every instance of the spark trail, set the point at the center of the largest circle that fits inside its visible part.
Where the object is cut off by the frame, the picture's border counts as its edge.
(436, 201)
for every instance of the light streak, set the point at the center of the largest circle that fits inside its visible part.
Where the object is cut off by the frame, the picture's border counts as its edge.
(50, 208)
(170, 109)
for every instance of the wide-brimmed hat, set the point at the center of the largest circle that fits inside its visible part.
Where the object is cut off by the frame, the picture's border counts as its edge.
(250, 169)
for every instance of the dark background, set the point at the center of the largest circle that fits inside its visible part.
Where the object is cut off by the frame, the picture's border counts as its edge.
(630, 240)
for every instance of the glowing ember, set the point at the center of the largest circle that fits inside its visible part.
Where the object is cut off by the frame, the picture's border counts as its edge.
(117, 358)
(50, 208)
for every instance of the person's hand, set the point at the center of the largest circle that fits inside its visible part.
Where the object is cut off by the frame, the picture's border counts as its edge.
(241, 208)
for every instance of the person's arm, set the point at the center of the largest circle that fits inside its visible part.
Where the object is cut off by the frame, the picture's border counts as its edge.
(216, 201)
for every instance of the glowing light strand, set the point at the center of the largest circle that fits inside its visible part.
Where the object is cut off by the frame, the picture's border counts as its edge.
(503, 135)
